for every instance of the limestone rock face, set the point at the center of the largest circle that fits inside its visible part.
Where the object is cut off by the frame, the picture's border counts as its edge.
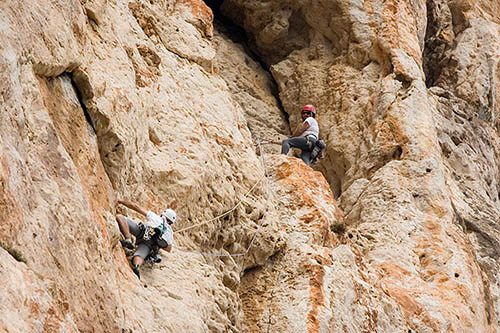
(103, 101)
(253, 89)
(27, 301)
(406, 94)
(149, 101)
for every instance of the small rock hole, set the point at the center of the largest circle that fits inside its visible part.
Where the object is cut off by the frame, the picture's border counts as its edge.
(251, 269)
(456, 140)
(428, 170)
(404, 81)
(457, 275)
(350, 236)
(397, 153)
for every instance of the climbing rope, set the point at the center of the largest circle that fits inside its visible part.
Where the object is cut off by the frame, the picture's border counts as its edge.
(226, 213)
(258, 142)
(261, 141)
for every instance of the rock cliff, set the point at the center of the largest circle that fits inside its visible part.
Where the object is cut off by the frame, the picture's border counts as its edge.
(159, 102)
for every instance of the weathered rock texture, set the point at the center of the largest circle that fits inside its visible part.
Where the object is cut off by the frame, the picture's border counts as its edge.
(114, 100)
(407, 98)
(253, 88)
(146, 101)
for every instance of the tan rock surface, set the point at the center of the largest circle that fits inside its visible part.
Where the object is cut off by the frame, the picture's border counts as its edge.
(27, 301)
(253, 89)
(93, 114)
(144, 101)
(387, 133)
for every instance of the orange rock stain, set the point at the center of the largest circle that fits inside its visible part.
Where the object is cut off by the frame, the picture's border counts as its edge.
(316, 297)
(203, 13)
(308, 188)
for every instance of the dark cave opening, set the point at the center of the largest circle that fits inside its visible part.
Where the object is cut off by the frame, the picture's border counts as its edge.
(237, 34)
(225, 25)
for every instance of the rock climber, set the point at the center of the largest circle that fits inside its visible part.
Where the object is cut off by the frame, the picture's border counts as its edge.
(305, 135)
(155, 234)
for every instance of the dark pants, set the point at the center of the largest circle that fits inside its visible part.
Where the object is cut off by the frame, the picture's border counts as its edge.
(143, 247)
(306, 144)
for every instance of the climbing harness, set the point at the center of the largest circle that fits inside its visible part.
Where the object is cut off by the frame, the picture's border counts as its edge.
(311, 142)
(259, 142)
(148, 232)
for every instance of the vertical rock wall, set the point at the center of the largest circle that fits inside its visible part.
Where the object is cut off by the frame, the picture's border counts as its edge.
(106, 100)
(141, 100)
(406, 93)
(252, 87)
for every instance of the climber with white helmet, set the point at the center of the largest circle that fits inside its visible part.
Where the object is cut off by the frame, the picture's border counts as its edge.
(305, 135)
(156, 233)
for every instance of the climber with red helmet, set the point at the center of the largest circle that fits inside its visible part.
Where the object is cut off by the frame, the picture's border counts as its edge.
(155, 234)
(305, 135)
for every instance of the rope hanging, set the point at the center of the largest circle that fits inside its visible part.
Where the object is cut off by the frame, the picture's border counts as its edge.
(259, 142)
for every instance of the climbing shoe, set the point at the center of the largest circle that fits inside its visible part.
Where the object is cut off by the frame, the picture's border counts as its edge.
(127, 243)
(155, 258)
(135, 268)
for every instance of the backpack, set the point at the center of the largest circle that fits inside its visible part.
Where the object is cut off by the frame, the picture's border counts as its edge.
(317, 151)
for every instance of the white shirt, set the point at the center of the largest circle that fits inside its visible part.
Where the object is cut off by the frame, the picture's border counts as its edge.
(313, 128)
(155, 221)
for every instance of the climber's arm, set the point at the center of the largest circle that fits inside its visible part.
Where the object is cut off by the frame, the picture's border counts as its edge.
(300, 129)
(134, 206)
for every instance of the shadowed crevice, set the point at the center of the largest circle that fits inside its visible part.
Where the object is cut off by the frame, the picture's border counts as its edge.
(79, 96)
(225, 26)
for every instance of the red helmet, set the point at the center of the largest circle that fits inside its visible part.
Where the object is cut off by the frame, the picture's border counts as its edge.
(309, 108)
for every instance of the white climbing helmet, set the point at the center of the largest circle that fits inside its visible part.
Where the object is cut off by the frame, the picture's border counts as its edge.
(169, 216)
